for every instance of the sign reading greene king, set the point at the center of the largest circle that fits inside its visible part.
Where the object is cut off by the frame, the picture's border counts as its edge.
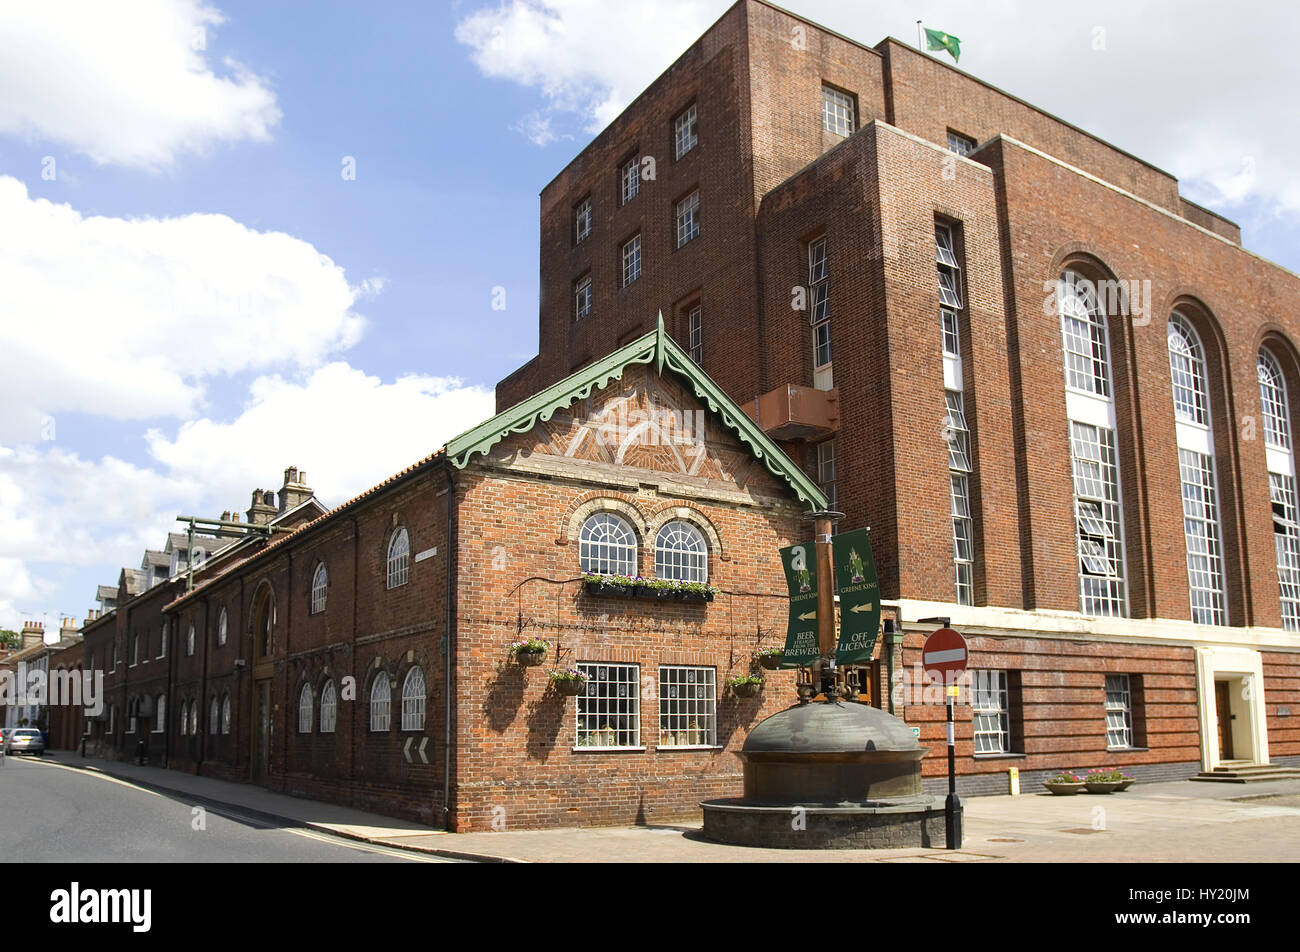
(801, 645)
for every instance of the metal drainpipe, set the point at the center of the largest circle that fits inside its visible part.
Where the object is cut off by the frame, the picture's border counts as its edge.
(448, 656)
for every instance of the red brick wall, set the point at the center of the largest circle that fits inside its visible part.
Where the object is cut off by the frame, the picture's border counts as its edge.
(1282, 690)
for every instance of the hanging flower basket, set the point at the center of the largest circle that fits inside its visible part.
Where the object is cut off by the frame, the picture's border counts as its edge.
(770, 658)
(746, 687)
(569, 683)
(529, 653)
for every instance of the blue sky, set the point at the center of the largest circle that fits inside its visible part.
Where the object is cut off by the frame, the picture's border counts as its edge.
(164, 302)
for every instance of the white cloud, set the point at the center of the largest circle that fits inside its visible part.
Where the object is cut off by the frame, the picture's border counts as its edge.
(1143, 82)
(126, 318)
(125, 86)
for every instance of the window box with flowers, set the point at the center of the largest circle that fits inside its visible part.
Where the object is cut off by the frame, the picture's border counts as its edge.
(570, 682)
(746, 686)
(609, 585)
(529, 652)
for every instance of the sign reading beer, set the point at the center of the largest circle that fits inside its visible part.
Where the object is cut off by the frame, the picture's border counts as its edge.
(801, 646)
(855, 571)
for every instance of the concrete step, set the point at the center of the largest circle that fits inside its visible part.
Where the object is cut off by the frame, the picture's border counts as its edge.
(1249, 773)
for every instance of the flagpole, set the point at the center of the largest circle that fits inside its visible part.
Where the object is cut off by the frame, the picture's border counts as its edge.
(920, 44)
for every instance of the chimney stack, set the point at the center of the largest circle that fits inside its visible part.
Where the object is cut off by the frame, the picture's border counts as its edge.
(33, 634)
(295, 490)
(262, 510)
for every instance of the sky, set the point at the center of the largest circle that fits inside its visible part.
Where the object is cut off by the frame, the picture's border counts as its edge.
(238, 236)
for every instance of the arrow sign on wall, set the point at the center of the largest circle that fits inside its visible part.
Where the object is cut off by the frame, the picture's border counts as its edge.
(423, 744)
(406, 750)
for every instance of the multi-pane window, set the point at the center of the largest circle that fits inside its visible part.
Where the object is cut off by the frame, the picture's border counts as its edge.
(630, 179)
(963, 547)
(319, 585)
(222, 627)
(1084, 329)
(1187, 370)
(962, 145)
(607, 546)
(1201, 528)
(305, 716)
(695, 333)
(1097, 512)
(381, 703)
(160, 714)
(413, 693)
(582, 298)
(632, 261)
(990, 705)
(949, 271)
(582, 220)
(225, 714)
(685, 132)
(951, 340)
(399, 557)
(688, 705)
(837, 111)
(609, 709)
(1286, 541)
(819, 298)
(681, 553)
(688, 219)
(826, 471)
(329, 708)
(1272, 399)
(1119, 711)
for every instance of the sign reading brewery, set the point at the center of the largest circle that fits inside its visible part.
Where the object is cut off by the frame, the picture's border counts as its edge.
(855, 571)
(801, 646)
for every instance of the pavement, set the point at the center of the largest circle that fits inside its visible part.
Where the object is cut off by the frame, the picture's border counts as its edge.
(1173, 822)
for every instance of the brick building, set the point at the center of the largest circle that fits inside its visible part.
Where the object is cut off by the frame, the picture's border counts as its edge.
(1061, 394)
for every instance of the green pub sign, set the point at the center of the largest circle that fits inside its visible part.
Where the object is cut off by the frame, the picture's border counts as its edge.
(855, 573)
(801, 646)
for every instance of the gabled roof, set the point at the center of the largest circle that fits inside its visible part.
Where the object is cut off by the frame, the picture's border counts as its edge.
(106, 593)
(659, 349)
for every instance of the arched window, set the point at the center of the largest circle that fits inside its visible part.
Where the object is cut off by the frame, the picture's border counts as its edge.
(225, 714)
(681, 553)
(1196, 471)
(222, 627)
(1281, 485)
(319, 583)
(329, 708)
(189, 641)
(1093, 452)
(194, 718)
(607, 546)
(399, 554)
(214, 713)
(160, 714)
(304, 710)
(413, 692)
(381, 702)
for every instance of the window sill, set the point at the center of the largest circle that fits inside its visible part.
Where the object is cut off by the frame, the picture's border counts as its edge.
(607, 750)
(1127, 750)
(1000, 756)
(672, 749)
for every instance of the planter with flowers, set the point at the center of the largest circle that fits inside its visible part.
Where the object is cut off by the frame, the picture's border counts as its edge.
(609, 585)
(671, 589)
(529, 652)
(746, 686)
(1125, 783)
(570, 682)
(1103, 781)
(1065, 783)
(770, 658)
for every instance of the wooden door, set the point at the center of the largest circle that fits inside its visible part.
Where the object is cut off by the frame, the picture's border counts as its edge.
(261, 729)
(1223, 713)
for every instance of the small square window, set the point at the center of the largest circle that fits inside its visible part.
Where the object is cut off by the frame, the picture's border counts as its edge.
(582, 220)
(962, 145)
(685, 132)
(838, 111)
(630, 178)
(631, 261)
(688, 219)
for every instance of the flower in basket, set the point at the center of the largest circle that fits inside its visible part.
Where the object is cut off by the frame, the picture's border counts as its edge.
(1103, 775)
(771, 652)
(609, 579)
(529, 645)
(744, 679)
(1066, 776)
(568, 674)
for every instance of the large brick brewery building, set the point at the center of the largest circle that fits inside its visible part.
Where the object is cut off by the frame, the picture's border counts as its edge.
(1061, 395)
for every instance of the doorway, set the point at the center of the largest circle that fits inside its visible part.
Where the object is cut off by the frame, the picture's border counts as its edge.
(1223, 714)
(261, 730)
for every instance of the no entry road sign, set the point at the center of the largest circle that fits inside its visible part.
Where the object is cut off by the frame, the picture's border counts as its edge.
(944, 654)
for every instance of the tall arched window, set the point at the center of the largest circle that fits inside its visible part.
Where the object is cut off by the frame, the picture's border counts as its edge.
(189, 641)
(214, 715)
(305, 710)
(1196, 471)
(222, 627)
(1090, 408)
(681, 553)
(1281, 485)
(381, 702)
(160, 714)
(319, 583)
(607, 546)
(413, 693)
(329, 708)
(225, 714)
(399, 553)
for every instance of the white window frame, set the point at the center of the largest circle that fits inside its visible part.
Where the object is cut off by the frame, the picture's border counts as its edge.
(688, 707)
(827, 471)
(688, 219)
(583, 298)
(1187, 373)
(1085, 335)
(607, 545)
(1204, 541)
(135, 650)
(681, 552)
(214, 716)
(819, 301)
(381, 704)
(838, 111)
(398, 566)
(695, 333)
(1119, 712)
(329, 707)
(686, 133)
(160, 714)
(608, 712)
(1273, 401)
(582, 221)
(991, 711)
(162, 644)
(306, 714)
(1286, 542)
(320, 581)
(414, 692)
(630, 179)
(189, 641)
(632, 260)
(963, 145)
(223, 627)
(1099, 529)
(225, 713)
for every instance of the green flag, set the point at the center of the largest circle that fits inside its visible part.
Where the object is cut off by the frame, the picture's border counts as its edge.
(855, 570)
(801, 645)
(939, 40)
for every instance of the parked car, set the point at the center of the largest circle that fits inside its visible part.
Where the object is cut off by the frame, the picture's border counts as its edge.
(24, 740)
